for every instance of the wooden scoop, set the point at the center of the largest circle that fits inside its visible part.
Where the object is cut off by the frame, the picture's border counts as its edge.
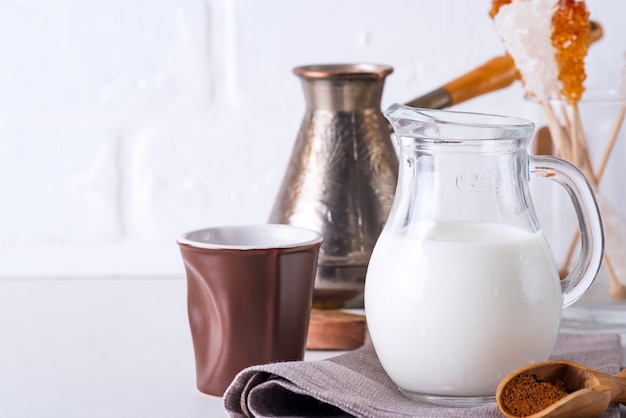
(590, 391)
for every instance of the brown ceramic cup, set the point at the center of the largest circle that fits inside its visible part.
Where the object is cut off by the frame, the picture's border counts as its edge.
(249, 295)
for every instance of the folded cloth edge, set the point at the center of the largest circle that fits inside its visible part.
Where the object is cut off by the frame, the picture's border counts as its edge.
(324, 380)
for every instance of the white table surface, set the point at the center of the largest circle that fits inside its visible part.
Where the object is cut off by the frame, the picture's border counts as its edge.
(99, 348)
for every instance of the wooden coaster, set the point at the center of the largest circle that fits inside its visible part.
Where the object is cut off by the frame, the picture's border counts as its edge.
(335, 330)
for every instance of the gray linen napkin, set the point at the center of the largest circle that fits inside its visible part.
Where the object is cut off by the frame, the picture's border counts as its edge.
(355, 384)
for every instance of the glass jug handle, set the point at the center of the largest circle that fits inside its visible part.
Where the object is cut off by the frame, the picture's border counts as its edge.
(571, 178)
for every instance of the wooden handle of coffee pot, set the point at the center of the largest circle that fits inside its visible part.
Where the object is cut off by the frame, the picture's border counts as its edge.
(495, 74)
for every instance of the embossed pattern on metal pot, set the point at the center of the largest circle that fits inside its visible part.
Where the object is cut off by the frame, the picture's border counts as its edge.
(342, 175)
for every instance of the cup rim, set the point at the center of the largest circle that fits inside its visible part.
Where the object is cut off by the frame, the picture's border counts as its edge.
(285, 236)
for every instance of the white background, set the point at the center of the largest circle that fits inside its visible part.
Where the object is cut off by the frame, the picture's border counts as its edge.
(126, 123)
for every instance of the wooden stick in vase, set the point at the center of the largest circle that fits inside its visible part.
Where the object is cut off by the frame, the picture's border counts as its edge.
(612, 139)
(617, 290)
(575, 133)
(559, 135)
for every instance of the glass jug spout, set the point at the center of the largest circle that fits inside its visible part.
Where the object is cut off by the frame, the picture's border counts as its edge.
(433, 126)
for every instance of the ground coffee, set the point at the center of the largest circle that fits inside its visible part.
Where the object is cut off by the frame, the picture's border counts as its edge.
(528, 394)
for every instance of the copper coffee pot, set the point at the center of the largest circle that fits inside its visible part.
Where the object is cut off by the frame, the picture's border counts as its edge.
(341, 176)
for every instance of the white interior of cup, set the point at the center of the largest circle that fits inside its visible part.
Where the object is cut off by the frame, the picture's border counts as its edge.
(245, 237)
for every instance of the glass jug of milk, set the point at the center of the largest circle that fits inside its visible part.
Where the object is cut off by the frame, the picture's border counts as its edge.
(462, 287)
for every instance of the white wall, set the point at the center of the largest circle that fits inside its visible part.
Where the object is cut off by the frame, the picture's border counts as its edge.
(124, 123)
